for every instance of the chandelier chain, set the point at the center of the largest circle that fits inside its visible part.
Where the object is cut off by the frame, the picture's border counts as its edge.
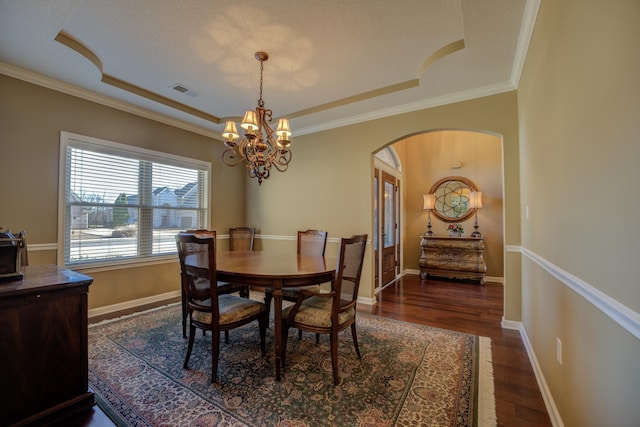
(260, 101)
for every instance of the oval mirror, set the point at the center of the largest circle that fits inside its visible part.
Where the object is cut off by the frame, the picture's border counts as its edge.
(452, 198)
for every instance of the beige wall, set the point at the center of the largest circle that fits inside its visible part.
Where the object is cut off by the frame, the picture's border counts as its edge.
(329, 182)
(31, 118)
(428, 157)
(579, 109)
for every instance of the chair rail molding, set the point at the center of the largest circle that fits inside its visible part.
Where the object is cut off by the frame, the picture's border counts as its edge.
(42, 247)
(618, 312)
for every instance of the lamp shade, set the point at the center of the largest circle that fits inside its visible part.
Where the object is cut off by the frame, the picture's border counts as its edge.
(283, 130)
(428, 201)
(230, 131)
(250, 121)
(475, 200)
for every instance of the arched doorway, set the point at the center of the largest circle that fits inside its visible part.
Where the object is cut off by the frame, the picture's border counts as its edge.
(425, 158)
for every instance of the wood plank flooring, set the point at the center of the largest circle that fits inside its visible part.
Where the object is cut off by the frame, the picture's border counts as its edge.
(477, 310)
(463, 307)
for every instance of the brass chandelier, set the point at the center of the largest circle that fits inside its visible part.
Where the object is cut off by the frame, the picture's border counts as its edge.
(261, 148)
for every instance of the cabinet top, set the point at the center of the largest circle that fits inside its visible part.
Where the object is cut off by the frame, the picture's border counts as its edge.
(43, 278)
(453, 237)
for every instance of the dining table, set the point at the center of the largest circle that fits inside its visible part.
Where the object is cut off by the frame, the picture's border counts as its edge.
(274, 271)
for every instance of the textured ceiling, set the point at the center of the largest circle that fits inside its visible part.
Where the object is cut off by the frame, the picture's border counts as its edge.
(332, 62)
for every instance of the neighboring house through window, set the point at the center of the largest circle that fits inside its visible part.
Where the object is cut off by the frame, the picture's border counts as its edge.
(122, 204)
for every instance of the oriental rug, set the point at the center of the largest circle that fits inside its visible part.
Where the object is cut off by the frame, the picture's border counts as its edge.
(409, 375)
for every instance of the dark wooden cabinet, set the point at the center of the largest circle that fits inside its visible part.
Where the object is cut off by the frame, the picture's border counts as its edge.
(453, 257)
(43, 346)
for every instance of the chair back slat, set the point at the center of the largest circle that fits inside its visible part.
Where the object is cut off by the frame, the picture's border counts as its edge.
(312, 242)
(349, 267)
(200, 251)
(241, 238)
(200, 233)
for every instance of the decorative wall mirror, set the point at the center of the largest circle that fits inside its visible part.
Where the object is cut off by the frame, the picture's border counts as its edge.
(452, 198)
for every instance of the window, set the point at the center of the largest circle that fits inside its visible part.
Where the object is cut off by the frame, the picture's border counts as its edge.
(123, 204)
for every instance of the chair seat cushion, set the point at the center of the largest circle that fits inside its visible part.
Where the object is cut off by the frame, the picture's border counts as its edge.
(316, 311)
(232, 309)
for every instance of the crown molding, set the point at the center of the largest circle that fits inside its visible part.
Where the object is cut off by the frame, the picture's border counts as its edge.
(68, 89)
(526, 32)
(411, 107)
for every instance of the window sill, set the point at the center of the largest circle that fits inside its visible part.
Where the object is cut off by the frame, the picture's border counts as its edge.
(122, 265)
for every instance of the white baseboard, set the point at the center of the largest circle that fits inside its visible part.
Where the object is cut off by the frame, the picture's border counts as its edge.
(366, 301)
(492, 279)
(550, 404)
(510, 324)
(132, 304)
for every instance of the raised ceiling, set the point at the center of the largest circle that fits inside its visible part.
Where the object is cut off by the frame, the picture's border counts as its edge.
(332, 62)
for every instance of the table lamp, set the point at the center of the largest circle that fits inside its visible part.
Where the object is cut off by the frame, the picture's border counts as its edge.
(475, 202)
(428, 203)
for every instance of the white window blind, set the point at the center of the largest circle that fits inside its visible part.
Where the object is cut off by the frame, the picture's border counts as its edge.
(124, 204)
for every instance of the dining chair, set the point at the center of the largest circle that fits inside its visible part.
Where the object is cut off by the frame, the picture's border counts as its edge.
(202, 285)
(327, 312)
(310, 243)
(241, 238)
(218, 312)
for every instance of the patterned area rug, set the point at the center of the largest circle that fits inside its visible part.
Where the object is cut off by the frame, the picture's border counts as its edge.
(409, 375)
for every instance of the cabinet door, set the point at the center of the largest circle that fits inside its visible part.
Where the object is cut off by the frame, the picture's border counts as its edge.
(44, 352)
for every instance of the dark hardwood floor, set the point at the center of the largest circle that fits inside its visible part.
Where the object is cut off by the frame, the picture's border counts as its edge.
(463, 307)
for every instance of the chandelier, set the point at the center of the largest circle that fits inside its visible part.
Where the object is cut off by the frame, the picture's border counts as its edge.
(261, 148)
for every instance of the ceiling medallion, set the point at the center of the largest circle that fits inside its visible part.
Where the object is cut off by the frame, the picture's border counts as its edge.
(261, 148)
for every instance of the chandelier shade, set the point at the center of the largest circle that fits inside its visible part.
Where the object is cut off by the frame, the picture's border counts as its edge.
(260, 148)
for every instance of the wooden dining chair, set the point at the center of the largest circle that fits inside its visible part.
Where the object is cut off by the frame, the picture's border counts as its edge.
(202, 285)
(218, 312)
(328, 313)
(310, 243)
(241, 238)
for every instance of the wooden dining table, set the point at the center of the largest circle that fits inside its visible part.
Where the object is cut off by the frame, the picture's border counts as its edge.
(274, 270)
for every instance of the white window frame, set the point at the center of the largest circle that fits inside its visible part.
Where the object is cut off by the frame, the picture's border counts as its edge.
(71, 140)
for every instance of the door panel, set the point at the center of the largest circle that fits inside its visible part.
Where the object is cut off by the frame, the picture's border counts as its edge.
(376, 233)
(389, 228)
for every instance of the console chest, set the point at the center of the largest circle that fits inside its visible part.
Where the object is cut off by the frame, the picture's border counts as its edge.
(453, 257)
